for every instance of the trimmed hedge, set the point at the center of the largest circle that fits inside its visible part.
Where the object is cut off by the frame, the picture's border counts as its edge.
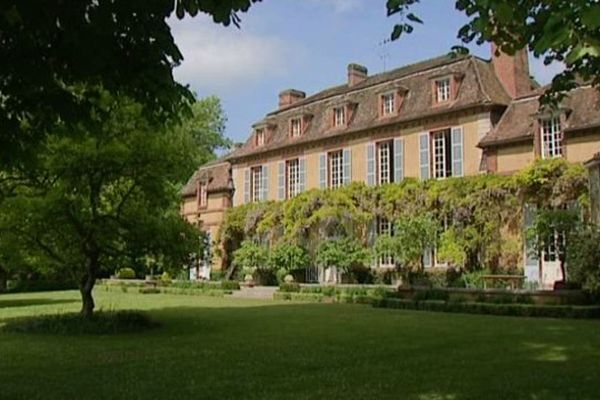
(303, 297)
(516, 310)
(42, 285)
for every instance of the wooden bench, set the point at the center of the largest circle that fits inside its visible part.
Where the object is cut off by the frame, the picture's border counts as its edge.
(514, 281)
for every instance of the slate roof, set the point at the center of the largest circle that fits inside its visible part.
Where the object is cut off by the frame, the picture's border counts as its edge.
(582, 108)
(216, 173)
(479, 86)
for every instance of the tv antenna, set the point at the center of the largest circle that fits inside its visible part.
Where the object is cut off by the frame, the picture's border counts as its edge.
(384, 53)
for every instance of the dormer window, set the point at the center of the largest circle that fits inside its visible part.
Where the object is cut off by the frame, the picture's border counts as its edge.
(296, 127)
(552, 136)
(443, 90)
(202, 195)
(339, 116)
(259, 139)
(388, 104)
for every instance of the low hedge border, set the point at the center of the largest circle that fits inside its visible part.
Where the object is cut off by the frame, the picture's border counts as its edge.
(166, 290)
(515, 310)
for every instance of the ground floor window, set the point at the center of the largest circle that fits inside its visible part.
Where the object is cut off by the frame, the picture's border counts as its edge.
(385, 227)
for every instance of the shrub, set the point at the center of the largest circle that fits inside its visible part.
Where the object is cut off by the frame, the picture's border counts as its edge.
(344, 253)
(101, 323)
(583, 259)
(126, 273)
(230, 285)
(41, 285)
(149, 290)
(250, 256)
(307, 297)
(289, 287)
(165, 277)
(431, 295)
(288, 257)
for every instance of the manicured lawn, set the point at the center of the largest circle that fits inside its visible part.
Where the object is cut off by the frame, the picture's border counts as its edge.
(211, 348)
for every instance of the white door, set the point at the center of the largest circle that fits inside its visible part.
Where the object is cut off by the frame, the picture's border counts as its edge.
(551, 271)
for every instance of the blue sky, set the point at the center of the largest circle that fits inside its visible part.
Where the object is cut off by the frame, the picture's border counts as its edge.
(306, 45)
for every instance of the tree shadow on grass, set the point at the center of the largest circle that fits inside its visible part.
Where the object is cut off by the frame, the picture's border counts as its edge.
(33, 302)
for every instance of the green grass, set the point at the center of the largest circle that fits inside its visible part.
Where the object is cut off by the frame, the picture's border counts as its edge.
(221, 348)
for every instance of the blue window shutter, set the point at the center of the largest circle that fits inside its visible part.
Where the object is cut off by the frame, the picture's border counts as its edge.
(424, 155)
(398, 160)
(265, 183)
(323, 171)
(281, 180)
(457, 151)
(302, 185)
(370, 164)
(347, 166)
(247, 186)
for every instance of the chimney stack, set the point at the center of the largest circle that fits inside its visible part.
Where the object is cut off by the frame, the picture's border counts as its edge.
(512, 71)
(289, 97)
(356, 74)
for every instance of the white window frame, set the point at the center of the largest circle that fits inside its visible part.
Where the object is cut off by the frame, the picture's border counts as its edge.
(292, 177)
(339, 116)
(335, 161)
(256, 183)
(203, 195)
(385, 227)
(385, 162)
(388, 101)
(441, 142)
(443, 89)
(551, 137)
(295, 127)
(260, 137)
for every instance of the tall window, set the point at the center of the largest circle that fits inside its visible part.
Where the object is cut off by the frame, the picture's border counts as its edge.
(385, 168)
(336, 171)
(384, 227)
(442, 154)
(295, 127)
(442, 90)
(388, 103)
(551, 137)
(260, 137)
(202, 195)
(293, 178)
(256, 184)
(339, 116)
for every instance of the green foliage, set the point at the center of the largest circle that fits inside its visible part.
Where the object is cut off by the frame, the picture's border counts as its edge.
(166, 277)
(288, 257)
(344, 253)
(230, 285)
(149, 290)
(126, 273)
(583, 259)
(413, 235)
(564, 31)
(102, 323)
(291, 287)
(250, 256)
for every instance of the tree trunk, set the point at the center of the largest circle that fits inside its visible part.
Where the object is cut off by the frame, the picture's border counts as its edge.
(86, 286)
(3, 280)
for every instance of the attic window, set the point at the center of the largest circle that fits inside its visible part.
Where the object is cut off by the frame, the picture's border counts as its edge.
(295, 127)
(442, 90)
(339, 116)
(388, 104)
(259, 137)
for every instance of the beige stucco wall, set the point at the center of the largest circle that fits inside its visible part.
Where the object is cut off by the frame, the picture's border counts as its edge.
(474, 127)
(514, 157)
(581, 148)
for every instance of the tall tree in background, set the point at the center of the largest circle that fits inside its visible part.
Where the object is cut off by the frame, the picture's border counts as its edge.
(107, 193)
(561, 30)
(56, 55)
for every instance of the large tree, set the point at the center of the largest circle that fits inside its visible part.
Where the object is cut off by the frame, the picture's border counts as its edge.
(48, 49)
(560, 30)
(105, 195)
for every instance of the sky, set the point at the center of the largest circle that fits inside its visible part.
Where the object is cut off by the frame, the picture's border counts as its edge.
(307, 45)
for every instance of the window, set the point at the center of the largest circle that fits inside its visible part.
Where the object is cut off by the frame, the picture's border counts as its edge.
(554, 247)
(388, 104)
(442, 154)
(292, 178)
(260, 137)
(336, 171)
(295, 127)
(551, 138)
(255, 184)
(442, 90)
(339, 116)
(385, 170)
(202, 195)
(384, 227)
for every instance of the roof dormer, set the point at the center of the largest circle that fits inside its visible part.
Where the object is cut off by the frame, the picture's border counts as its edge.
(390, 100)
(445, 87)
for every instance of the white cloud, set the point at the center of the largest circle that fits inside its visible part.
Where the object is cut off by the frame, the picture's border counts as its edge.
(342, 6)
(218, 58)
(544, 73)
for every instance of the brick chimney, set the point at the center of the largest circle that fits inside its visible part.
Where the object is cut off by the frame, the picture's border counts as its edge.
(289, 97)
(512, 71)
(356, 74)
